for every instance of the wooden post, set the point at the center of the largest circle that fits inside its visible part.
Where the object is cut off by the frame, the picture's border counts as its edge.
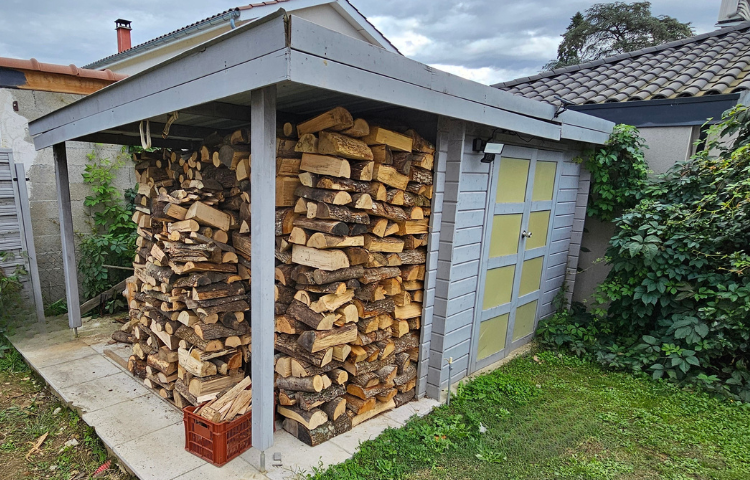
(66, 235)
(29, 236)
(263, 194)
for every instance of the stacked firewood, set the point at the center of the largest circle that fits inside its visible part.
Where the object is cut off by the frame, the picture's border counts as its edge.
(189, 298)
(353, 206)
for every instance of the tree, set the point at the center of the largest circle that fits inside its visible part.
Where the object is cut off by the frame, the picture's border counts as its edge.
(609, 29)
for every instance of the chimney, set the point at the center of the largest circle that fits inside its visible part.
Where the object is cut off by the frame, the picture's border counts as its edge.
(123, 34)
(733, 12)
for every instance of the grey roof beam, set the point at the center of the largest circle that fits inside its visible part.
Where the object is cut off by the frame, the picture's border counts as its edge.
(310, 38)
(213, 60)
(224, 111)
(326, 73)
(176, 131)
(131, 140)
(260, 72)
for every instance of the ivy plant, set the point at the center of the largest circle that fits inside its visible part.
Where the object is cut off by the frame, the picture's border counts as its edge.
(618, 173)
(113, 233)
(676, 303)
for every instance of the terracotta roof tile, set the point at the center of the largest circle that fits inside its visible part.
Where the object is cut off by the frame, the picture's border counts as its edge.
(71, 70)
(708, 64)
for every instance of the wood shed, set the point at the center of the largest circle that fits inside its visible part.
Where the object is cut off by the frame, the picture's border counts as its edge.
(496, 239)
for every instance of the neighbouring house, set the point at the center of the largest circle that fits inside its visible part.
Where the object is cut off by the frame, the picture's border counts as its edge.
(337, 15)
(28, 90)
(668, 92)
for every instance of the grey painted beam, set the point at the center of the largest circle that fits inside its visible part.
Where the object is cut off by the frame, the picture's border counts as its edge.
(124, 139)
(326, 73)
(310, 38)
(223, 53)
(66, 235)
(28, 233)
(263, 194)
(225, 111)
(257, 73)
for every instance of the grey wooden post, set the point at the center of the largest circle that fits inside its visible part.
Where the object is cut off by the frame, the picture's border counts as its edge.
(66, 235)
(28, 233)
(262, 229)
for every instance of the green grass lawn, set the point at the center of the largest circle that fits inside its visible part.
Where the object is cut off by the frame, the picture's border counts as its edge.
(29, 415)
(557, 417)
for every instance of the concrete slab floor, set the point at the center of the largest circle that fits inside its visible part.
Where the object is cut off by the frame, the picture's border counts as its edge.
(144, 431)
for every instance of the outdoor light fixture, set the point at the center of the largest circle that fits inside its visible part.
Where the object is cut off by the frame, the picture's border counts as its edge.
(488, 148)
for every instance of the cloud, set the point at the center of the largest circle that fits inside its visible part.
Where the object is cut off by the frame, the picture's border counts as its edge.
(486, 40)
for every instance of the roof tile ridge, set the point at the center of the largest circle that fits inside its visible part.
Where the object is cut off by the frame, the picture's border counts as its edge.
(635, 53)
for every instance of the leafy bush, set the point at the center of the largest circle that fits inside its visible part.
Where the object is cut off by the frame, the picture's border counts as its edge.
(113, 233)
(618, 173)
(678, 294)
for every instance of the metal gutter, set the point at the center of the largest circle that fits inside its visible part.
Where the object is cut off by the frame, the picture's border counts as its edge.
(214, 21)
(675, 112)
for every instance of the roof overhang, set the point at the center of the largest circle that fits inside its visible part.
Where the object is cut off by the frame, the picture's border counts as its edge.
(314, 68)
(674, 112)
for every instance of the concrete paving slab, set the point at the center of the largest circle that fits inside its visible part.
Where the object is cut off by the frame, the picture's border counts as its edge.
(44, 355)
(159, 455)
(296, 457)
(78, 371)
(237, 469)
(420, 408)
(145, 432)
(104, 392)
(125, 421)
(368, 430)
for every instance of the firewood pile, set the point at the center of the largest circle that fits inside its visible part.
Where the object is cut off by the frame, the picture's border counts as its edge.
(353, 206)
(189, 298)
(352, 216)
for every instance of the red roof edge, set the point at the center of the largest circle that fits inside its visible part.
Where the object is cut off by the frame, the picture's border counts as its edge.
(34, 65)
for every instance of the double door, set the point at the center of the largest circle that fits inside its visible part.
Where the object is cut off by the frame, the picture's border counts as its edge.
(518, 226)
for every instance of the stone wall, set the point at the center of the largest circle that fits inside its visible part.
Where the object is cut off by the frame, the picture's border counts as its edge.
(40, 170)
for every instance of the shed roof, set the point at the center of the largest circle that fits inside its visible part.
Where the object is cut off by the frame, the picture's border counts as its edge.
(314, 68)
(713, 63)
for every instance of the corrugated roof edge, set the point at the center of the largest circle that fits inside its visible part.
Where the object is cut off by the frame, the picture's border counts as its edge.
(232, 12)
(622, 56)
(72, 70)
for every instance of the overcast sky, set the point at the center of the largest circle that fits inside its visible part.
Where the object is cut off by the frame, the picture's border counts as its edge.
(485, 40)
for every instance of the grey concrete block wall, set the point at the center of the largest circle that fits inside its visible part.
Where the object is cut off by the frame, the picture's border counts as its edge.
(40, 172)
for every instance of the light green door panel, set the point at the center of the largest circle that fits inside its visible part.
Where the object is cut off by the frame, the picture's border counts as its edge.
(544, 181)
(524, 324)
(531, 276)
(492, 335)
(512, 179)
(538, 225)
(506, 230)
(498, 286)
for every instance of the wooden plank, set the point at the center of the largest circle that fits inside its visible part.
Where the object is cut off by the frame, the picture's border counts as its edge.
(28, 233)
(66, 235)
(263, 133)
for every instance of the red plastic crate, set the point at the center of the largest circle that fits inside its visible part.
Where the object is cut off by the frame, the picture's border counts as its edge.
(217, 443)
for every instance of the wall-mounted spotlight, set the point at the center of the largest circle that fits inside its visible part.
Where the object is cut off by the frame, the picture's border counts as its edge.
(489, 149)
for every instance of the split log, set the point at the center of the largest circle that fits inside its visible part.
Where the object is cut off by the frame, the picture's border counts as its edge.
(330, 143)
(326, 165)
(315, 341)
(326, 196)
(309, 384)
(337, 119)
(310, 419)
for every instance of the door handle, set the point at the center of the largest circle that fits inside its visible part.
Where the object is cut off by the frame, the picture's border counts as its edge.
(526, 234)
